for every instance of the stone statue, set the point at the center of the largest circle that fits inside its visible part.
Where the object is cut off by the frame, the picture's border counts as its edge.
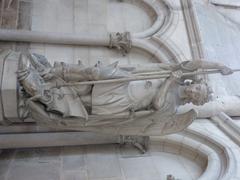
(110, 98)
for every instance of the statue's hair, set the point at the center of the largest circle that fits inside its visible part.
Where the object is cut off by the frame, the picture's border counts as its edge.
(207, 96)
(205, 93)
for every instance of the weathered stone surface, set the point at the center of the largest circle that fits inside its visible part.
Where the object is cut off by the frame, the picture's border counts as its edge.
(5, 160)
(41, 155)
(73, 158)
(139, 168)
(75, 175)
(36, 164)
(24, 17)
(9, 14)
(37, 171)
(102, 162)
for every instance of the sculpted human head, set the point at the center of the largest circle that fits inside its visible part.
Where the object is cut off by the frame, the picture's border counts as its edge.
(198, 94)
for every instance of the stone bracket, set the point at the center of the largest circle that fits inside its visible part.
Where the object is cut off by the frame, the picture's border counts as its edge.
(139, 142)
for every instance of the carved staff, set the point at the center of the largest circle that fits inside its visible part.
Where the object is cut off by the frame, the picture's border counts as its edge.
(159, 75)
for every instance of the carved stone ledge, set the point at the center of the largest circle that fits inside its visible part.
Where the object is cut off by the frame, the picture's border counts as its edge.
(121, 41)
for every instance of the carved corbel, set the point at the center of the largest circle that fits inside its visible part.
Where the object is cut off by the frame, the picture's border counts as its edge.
(139, 142)
(121, 41)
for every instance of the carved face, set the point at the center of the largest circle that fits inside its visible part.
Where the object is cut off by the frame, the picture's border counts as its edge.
(196, 93)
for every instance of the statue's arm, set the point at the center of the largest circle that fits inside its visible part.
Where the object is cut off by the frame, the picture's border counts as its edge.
(161, 95)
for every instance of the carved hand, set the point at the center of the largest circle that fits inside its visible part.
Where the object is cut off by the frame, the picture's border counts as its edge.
(48, 76)
(177, 74)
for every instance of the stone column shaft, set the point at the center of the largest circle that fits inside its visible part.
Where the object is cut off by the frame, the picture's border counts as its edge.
(55, 38)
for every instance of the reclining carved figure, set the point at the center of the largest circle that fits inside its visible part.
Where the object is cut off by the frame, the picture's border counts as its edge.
(143, 107)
